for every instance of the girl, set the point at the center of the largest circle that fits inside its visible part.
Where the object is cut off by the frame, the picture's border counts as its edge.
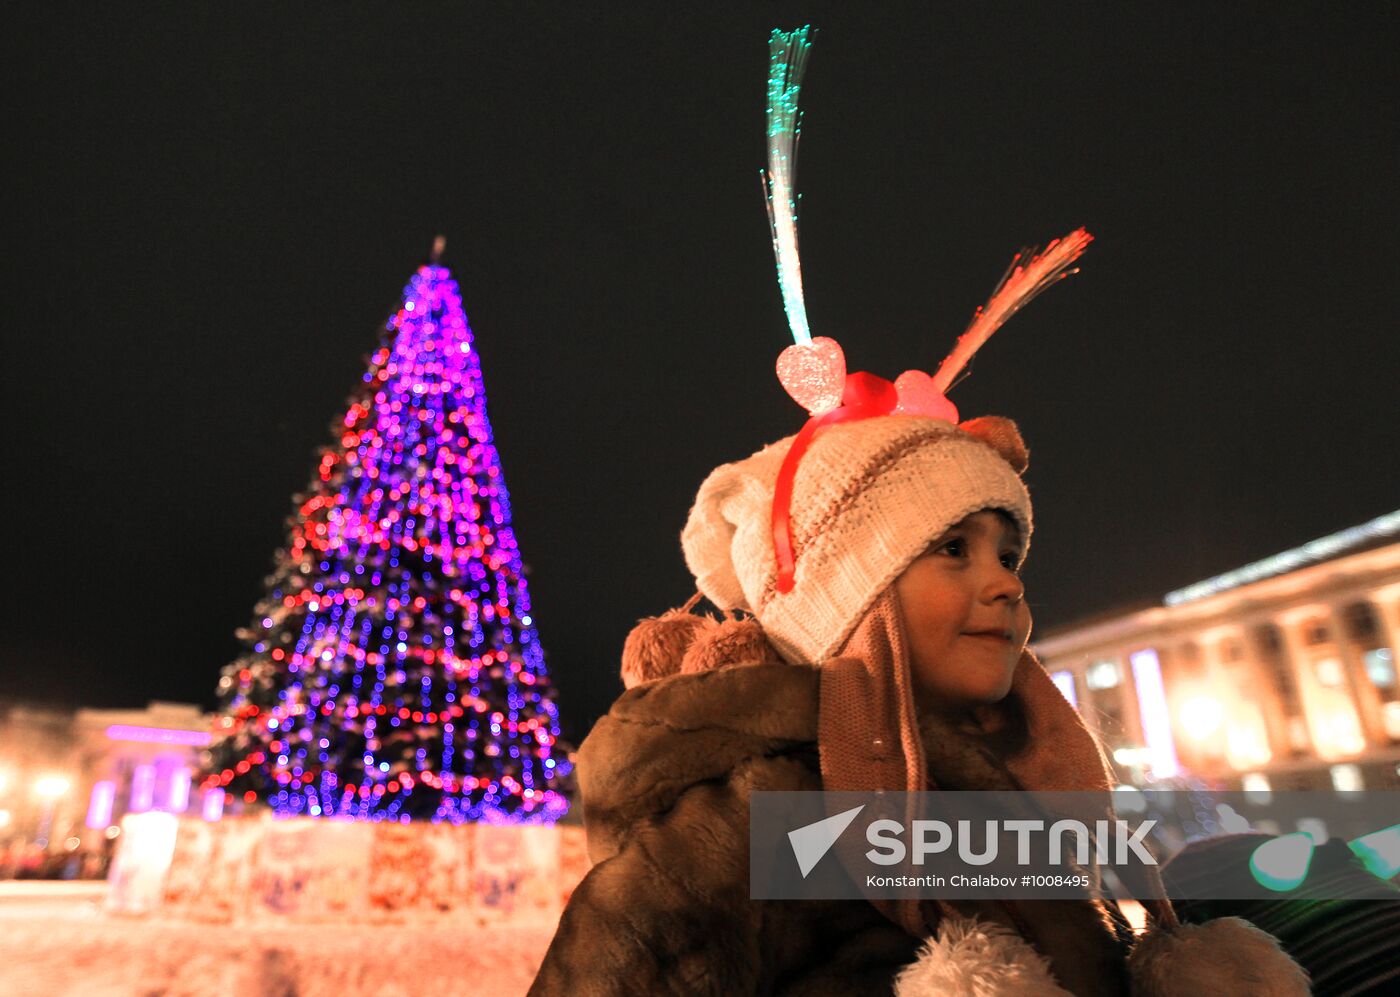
(895, 659)
(876, 642)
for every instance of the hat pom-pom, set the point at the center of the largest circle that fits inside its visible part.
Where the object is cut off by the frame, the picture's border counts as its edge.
(1003, 437)
(739, 641)
(730, 494)
(656, 646)
(1225, 956)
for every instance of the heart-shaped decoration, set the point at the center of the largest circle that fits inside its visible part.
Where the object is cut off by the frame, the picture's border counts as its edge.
(814, 374)
(869, 392)
(918, 396)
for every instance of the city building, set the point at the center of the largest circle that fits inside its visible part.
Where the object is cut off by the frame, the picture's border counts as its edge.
(1281, 674)
(68, 777)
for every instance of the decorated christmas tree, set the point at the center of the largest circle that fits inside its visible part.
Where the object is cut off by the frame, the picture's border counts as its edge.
(393, 670)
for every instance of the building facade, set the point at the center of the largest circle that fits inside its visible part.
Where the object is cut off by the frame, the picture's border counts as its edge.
(1282, 674)
(68, 777)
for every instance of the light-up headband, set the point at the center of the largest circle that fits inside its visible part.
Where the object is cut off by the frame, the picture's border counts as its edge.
(813, 370)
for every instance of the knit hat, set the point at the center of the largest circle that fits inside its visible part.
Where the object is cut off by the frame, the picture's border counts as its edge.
(867, 498)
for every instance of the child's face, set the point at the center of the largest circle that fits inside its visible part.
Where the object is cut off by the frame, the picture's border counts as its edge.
(965, 614)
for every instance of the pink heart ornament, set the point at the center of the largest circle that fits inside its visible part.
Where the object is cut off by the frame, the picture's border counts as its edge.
(918, 396)
(814, 374)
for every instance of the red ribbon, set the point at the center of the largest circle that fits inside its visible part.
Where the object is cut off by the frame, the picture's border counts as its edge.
(864, 397)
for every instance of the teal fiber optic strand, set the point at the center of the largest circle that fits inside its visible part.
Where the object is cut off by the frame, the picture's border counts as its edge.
(787, 61)
(1379, 851)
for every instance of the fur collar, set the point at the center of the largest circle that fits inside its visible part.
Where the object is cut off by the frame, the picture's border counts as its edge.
(661, 738)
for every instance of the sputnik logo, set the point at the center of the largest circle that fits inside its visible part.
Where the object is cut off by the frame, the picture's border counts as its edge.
(812, 841)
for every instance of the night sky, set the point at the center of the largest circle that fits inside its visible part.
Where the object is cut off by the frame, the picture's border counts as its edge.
(216, 211)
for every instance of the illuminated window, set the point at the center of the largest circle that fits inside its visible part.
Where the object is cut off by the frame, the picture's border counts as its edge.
(1132, 754)
(1329, 672)
(179, 799)
(1102, 675)
(1064, 681)
(99, 813)
(213, 806)
(1336, 727)
(1156, 718)
(1390, 719)
(1315, 828)
(1380, 666)
(1347, 779)
(1200, 717)
(143, 789)
(1298, 737)
(1247, 737)
(1256, 783)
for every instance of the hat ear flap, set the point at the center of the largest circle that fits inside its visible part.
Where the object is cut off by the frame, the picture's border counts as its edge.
(1003, 437)
(708, 537)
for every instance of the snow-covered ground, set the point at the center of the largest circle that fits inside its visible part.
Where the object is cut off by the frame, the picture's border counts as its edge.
(57, 941)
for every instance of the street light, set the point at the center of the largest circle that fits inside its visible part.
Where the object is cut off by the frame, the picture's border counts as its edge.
(50, 787)
(1201, 717)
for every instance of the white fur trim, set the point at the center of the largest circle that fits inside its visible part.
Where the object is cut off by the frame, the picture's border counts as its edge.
(1225, 956)
(971, 958)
